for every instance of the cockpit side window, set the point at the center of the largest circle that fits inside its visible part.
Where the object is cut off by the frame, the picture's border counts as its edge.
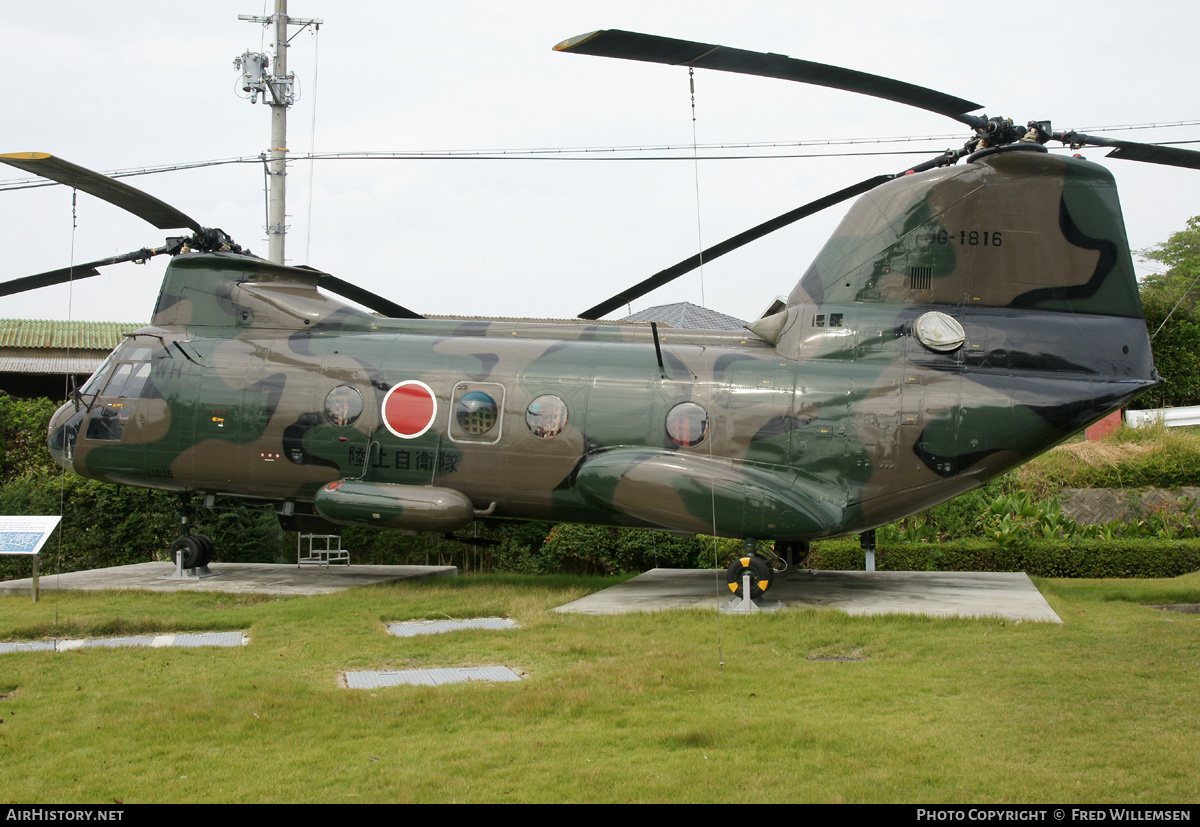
(123, 376)
(116, 385)
(137, 381)
(129, 377)
(96, 381)
(107, 423)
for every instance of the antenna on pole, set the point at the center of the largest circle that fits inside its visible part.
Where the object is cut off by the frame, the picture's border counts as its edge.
(278, 91)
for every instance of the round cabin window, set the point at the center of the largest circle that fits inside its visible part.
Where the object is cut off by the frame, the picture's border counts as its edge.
(343, 405)
(476, 413)
(687, 424)
(546, 416)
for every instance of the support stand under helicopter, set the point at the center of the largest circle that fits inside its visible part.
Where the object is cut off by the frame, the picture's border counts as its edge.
(760, 564)
(191, 553)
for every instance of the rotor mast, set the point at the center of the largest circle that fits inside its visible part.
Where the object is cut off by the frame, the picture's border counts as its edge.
(257, 78)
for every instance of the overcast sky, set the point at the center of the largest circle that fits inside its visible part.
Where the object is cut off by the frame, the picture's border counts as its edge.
(131, 84)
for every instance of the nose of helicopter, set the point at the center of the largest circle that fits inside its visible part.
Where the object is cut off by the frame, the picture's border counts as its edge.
(64, 428)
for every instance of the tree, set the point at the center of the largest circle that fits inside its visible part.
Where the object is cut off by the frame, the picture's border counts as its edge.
(1171, 300)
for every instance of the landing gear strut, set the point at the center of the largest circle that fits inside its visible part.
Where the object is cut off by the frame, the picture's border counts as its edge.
(794, 551)
(191, 553)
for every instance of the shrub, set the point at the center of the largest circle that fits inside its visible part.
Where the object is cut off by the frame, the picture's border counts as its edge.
(1078, 557)
(600, 550)
(102, 525)
(23, 426)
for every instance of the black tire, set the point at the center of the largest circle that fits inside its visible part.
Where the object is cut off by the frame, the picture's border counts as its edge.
(206, 549)
(188, 550)
(760, 575)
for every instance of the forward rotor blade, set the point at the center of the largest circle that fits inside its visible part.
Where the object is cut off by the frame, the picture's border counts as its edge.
(131, 199)
(1131, 151)
(79, 271)
(741, 239)
(655, 49)
(366, 298)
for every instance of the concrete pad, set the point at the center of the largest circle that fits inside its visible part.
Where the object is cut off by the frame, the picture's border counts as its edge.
(255, 578)
(1009, 595)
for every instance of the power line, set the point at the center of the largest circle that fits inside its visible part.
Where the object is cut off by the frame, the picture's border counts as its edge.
(580, 154)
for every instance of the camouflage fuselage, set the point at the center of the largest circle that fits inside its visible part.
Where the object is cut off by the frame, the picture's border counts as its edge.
(834, 418)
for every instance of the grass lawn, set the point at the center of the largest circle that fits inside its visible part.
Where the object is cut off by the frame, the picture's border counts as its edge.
(630, 708)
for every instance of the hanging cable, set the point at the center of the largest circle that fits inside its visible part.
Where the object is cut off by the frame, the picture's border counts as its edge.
(266, 166)
(62, 478)
(1176, 307)
(696, 182)
(712, 483)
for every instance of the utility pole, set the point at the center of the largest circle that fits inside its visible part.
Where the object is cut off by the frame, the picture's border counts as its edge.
(258, 78)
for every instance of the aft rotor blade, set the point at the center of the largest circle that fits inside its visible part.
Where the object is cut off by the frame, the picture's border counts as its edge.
(1132, 151)
(366, 298)
(655, 49)
(741, 239)
(131, 199)
(75, 273)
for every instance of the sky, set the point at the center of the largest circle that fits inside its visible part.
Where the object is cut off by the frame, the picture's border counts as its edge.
(143, 84)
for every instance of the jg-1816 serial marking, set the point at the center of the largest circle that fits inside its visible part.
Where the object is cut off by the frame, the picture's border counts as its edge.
(969, 238)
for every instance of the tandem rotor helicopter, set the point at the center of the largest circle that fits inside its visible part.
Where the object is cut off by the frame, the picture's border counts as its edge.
(968, 313)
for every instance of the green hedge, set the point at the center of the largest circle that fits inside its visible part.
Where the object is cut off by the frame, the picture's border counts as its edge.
(539, 548)
(108, 525)
(598, 550)
(103, 525)
(1042, 558)
(23, 426)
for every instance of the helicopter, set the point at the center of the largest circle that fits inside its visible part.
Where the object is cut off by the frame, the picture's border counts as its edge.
(963, 318)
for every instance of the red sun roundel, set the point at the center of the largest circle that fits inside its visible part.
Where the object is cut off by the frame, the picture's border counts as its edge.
(409, 409)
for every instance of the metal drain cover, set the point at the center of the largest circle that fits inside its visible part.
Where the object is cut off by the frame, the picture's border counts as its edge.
(429, 677)
(151, 641)
(1182, 608)
(413, 628)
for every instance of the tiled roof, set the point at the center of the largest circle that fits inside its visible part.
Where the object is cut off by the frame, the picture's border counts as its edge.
(43, 333)
(50, 365)
(687, 316)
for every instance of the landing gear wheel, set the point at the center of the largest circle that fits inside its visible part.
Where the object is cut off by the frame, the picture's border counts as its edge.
(206, 549)
(188, 550)
(760, 573)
